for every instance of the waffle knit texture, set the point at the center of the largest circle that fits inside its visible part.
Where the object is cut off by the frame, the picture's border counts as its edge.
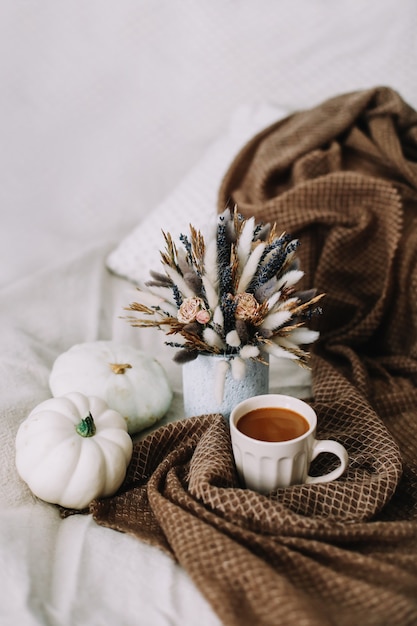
(341, 177)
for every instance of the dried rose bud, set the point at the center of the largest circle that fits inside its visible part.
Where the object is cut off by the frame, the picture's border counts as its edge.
(203, 316)
(247, 306)
(189, 309)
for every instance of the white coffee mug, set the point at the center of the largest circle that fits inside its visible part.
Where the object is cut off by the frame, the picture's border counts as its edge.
(268, 465)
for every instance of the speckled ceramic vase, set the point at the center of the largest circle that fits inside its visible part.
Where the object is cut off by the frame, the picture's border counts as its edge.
(209, 385)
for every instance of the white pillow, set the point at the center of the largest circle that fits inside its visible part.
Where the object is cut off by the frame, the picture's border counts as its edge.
(193, 201)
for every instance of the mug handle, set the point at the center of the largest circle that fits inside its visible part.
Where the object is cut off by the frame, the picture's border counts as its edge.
(328, 445)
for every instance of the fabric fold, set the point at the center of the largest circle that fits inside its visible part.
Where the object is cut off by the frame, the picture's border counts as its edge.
(182, 494)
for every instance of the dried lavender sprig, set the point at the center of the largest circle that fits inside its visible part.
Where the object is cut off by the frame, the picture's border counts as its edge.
(261, 232)
(187, 245)
(259, 228)
(223, 261)
(218, 329)
(177, 295)
(310, 313)
(223, 245)
(278, 243)
(273, 266)
(228, 306)
(174, 344)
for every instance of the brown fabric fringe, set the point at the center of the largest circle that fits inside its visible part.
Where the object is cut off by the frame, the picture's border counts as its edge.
(341, 177)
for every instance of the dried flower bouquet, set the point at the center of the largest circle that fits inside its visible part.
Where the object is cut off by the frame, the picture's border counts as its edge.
(231, 293)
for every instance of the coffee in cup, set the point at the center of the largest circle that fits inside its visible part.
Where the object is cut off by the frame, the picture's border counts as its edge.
(273, 441)
(273, 424)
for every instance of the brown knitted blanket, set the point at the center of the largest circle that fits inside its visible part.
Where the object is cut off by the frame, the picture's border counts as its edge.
(343, 179)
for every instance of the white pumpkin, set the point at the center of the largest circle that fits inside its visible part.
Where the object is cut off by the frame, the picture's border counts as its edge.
(129, 380)
(73, 449)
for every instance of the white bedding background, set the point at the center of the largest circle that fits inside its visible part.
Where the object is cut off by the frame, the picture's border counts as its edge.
(117, 120)
(105, 106)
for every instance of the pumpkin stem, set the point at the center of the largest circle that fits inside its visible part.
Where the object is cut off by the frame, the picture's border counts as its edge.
(86, 428)
(120, 368)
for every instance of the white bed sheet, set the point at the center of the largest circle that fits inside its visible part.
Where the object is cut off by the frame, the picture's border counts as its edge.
(109, 112)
